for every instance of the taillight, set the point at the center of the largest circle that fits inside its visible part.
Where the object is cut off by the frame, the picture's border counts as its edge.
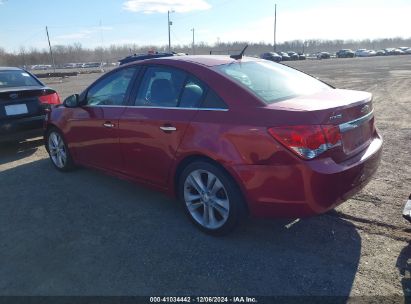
(51, 99)
(308, 141)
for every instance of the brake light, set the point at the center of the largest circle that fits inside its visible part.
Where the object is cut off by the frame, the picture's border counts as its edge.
(52, 99)
(307, 141)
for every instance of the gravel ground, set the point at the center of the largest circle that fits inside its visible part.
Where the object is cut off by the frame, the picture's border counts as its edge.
(85, 233)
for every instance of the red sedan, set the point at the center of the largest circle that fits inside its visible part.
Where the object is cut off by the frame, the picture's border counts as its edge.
(227, 137)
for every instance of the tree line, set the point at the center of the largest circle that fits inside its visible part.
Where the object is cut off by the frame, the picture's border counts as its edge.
(75, 53)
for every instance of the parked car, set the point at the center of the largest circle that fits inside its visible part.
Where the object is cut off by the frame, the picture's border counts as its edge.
(284, 56)
(407, 51)
(380, 53)
(398, 52)
(138, 57)
(323, 55)
(92, 65)
(406, 213)
(24, 101)
(272, 56)
(393, 51)
(41, 67)
(361, 53)
(228, 137)
(293, 55)
(345, 53)
(301, 56)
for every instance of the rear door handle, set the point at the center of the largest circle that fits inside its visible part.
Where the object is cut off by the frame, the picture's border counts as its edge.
(168, 128)
(108, 124)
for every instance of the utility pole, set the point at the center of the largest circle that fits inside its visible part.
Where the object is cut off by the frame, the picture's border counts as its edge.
(51, 52)
(275, 28)
(194, 51)
(170, 23)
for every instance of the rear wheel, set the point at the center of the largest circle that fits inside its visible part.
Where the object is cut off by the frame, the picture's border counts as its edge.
(211, 198)
(58, 151)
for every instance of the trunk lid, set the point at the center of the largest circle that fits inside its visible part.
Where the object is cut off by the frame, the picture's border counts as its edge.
(351, 110)
(22, 102)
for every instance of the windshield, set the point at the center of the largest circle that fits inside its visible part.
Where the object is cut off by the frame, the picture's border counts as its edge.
(271, 81)
(16, 78)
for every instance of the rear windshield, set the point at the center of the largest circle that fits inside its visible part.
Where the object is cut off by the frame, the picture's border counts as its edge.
(271, 81)
(16, 79)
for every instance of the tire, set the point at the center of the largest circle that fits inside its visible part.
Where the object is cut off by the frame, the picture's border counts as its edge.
(211, 198)
(58, 151)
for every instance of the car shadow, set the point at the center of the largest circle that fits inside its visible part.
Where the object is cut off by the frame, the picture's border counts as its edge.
(12, 151)
(404, 267)
(85, 233)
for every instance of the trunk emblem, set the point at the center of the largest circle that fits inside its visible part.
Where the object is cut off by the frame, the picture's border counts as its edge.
(334, 117)
(365, 109)
(14, 95)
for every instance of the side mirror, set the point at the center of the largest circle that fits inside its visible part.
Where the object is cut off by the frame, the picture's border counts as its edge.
(72, 101)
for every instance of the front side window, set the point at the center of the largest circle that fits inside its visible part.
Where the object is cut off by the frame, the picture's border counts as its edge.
(270, 81)
(160, 87)
(111, 90)
(193, 93)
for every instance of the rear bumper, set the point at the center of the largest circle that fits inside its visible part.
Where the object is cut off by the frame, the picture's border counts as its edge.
(22, 128)
(307, 187)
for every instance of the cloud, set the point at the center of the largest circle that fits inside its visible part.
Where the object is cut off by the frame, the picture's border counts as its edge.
(162, 6)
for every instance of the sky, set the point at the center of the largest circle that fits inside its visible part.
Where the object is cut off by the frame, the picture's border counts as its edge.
(94, 23)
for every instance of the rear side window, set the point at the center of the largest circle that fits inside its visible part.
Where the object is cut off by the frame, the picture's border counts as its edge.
(160, 87)
(111, 90)
(17, 78)
(213, 101)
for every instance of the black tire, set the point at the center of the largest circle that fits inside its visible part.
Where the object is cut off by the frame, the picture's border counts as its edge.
(68, 164)
(230, 192)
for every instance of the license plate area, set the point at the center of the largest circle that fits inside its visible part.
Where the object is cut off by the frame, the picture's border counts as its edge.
(16, 109)
(357, 137)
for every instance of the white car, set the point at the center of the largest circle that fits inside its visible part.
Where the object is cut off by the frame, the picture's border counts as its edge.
(365, 53)
(406, 213)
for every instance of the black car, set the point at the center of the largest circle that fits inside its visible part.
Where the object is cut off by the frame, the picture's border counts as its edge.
(345, 53)
(301, 56)
(272, 56)
(284, 56)
(24, 102)
(293, 56)
(137, 57)
(323, 55)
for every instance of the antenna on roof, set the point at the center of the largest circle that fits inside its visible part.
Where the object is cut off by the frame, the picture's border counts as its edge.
(239, 56)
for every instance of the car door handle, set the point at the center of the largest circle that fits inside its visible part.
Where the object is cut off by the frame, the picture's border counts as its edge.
(108, 124)
(168, 129)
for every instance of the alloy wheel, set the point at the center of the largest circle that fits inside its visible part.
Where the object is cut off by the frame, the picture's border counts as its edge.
(206, 199)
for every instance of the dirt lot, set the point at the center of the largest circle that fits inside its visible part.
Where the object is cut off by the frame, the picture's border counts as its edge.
(85, 233)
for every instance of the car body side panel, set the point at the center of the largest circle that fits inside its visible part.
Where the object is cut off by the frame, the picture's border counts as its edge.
(149, 151)
(87, 138)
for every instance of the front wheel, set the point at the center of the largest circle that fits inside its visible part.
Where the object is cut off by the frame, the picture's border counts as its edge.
(211, 198)
(58, 151)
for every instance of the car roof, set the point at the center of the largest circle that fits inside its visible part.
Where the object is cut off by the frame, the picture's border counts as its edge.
(10, 69)
(204, 60)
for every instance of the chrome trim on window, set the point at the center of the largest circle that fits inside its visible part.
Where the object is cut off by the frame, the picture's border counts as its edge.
(150, 107)
(347, 126)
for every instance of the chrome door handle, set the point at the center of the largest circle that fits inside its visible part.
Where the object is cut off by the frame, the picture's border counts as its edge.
(108, 125)
(168, 129)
